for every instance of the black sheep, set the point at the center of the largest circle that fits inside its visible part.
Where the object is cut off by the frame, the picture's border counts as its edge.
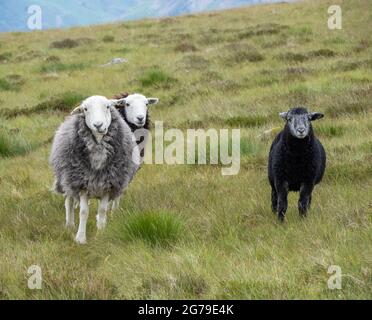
(297, 161)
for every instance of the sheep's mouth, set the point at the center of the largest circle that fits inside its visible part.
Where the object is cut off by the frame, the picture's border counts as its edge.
(300, 135)
(102, 131)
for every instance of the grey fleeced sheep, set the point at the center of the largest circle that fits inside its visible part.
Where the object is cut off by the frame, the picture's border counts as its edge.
(93, 155)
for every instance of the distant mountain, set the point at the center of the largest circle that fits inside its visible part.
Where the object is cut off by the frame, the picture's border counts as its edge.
(66, 13)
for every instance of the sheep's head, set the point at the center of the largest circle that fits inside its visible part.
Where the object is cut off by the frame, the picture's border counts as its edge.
(97, 114)
(299, 121)
(135, 108)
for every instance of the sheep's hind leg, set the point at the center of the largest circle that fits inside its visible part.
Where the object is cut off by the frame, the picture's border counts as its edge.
(70, 214)
(81, 237)
(282, 191)
(102, 209)
(305, 199)
(274, 200)
(115, 204)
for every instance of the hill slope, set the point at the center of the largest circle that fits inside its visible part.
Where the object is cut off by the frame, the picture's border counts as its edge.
(68, 13)
(187, 231)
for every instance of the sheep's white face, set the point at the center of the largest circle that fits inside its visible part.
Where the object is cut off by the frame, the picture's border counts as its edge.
(299, 121)
(136, 108)
(97, 113)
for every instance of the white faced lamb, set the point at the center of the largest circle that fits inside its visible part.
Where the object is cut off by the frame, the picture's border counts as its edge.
(134, 110)
(93, 156)
(297, 161)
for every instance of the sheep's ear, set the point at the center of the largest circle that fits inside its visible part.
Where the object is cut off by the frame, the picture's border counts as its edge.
(315, 116)
(78, 109)
(118, 103)
(283, 115)
(152, 100)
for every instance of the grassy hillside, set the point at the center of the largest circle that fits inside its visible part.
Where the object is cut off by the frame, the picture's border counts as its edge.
(187, 231)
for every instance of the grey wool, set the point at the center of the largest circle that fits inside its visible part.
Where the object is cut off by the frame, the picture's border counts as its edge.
(80, 163)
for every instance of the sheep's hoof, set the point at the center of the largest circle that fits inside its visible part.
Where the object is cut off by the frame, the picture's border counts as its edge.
(101, 225)
(101, 222)
(281, 216)
(302, 210)
(303, 214)
(81, 239)
(70, 225)
(115, 205)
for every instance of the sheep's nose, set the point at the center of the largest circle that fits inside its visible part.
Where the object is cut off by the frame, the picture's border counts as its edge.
(301, 130)
(140, 118)
(98, 124)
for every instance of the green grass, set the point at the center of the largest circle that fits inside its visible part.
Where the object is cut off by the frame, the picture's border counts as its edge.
(156, 78)
(65, 44)
(13, 145)
(187, 232)
(63, 102)
(5, 85)
(60, 67)
(108, 38)
(12, 82)
(247, 121)
(154, 228)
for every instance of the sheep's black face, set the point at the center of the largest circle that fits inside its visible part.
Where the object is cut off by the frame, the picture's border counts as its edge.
(299, 121)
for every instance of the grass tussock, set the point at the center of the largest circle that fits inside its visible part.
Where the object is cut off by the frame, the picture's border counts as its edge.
(13, 144)
(240, 53)
(194, 62)
(156, 78)
(65, 44)
(302, 57)
(64, 103)
(55, 66)
(12, 82)
(108, 38)
(262, 30)
(5, 57)
(153, 228)
(185, 46)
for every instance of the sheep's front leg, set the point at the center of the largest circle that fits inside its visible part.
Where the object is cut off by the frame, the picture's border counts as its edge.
(282, 191)
(305, 199)
(70, 214)
(102, 209)
(83, 218)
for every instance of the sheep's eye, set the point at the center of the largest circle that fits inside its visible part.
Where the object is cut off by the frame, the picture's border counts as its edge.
(85, 109)
(108, 107)
(127, 104)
